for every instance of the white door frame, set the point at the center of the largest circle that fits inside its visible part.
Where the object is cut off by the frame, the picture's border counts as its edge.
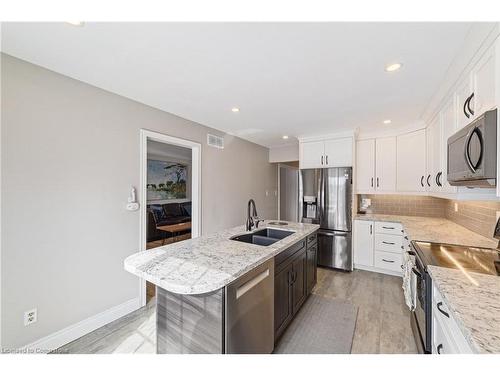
(145, 136)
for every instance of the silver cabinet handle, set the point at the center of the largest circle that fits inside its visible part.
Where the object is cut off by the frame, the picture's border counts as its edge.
(371, 228)
(388, 227)
(389, 243)
(326, 159)
(378, 183)
(388, 261)
(321, 159)
(372, 181)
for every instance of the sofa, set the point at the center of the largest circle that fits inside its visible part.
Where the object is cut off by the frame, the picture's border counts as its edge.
(166, 214)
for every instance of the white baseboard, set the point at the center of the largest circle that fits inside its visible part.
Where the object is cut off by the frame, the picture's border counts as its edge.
(68, 334)
(377, 270)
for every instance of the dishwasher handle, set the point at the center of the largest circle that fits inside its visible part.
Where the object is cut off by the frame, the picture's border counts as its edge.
(241, 290)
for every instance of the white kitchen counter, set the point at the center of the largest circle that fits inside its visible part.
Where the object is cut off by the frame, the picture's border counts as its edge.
(208, 263)
(430, 229)
(473, 301)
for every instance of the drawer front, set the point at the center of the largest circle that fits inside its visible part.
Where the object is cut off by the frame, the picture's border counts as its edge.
(388, 261)
(389, 242)
(388, 228)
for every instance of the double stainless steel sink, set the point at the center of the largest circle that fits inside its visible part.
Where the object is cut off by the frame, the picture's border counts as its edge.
(263, 237)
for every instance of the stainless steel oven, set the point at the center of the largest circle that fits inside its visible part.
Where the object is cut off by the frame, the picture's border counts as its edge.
(472, 153)
(420, 317)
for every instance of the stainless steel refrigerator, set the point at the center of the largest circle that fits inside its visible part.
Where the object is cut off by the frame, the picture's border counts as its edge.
(325, 198)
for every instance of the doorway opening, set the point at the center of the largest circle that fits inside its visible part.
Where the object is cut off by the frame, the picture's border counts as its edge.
(171, 190)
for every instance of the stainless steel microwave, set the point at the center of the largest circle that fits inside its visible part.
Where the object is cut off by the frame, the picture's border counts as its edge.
(472, 153)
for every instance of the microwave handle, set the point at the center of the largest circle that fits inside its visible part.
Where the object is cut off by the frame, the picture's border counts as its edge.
(466, 150)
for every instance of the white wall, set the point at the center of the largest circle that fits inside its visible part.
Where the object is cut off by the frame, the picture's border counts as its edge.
(69, 154)
(284, 153)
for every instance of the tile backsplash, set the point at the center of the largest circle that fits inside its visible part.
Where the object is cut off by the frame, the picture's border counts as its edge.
(478, 216)
(407, 205)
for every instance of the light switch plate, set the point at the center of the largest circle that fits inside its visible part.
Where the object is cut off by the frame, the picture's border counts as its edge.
(456, 207)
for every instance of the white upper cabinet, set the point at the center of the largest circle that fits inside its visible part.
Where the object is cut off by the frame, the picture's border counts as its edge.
(483, 77)
(326, 153)
(338, 152)
(376, 165)
(434, 166)
(365, 165)
(312, 154)
(385, 164)
(448, 125)
(411, 162)
(464, 106)
(477, 91)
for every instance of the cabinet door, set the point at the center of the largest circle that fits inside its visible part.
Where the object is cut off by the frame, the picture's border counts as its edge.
(448, 124)
(484, 83)
(363, 243)
(365, 165)
(311, 271)
(411, 161)
(433, 154)
(299, 288)
(385, 164)
(464, 90)
(338, 152)
(283, 312)
(312, 155)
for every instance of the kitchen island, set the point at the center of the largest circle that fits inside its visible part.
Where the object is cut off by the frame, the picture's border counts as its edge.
(210, 288)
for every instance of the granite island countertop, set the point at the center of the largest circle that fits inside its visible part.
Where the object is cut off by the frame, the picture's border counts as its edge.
(208, 263)
(474, 305)
(430, 229)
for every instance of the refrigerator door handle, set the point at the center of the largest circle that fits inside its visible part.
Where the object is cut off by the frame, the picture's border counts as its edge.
(336, 234)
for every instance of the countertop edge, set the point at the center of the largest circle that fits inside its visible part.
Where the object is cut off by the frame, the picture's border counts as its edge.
(188, 290)
(475, 347)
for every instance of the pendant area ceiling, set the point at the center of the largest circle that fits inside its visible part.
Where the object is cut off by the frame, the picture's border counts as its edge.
(286, 78)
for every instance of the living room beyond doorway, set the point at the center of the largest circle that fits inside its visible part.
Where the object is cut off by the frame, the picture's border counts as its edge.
(168, 196)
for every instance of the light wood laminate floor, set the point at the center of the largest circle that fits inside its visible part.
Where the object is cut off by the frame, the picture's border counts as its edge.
(382, 326)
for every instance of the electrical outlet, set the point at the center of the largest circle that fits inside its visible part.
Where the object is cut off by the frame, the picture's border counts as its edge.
(456, 207)
(30, 317)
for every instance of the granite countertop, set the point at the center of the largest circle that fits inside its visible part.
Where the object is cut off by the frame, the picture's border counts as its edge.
(474, 305)
(431, 229)
(207, 263)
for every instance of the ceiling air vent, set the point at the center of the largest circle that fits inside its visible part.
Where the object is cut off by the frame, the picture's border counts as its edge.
(215, 141)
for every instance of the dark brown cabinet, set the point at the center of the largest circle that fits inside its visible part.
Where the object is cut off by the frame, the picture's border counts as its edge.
(299, 287)
(311, 267)
(294, 278)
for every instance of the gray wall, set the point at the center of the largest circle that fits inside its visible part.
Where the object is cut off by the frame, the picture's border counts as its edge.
(70, 153)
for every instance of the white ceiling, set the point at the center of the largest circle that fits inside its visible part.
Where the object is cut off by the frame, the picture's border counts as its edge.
(287, 78)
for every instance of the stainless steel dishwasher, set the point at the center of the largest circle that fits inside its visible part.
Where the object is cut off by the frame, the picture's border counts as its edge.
(249, 312)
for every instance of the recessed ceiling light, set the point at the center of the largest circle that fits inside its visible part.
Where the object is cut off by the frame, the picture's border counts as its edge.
(393, 67)
(387, 121)
(285, 137)
(76, 23)
(235, 109)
